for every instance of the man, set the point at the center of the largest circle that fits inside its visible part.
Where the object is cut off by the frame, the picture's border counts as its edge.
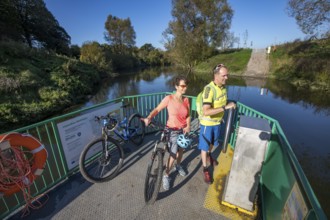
(214, 106)
(268, 51)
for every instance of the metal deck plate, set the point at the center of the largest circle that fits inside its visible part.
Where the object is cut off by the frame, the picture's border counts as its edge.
(242, 183)
(122, 197)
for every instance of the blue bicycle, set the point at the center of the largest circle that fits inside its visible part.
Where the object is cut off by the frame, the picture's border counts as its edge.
(130, 128)
(101, 159)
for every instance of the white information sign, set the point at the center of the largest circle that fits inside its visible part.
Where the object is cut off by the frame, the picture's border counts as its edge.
(77, 132)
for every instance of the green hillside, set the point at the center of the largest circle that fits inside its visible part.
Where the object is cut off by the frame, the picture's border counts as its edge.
(303, 63)
(35, 84)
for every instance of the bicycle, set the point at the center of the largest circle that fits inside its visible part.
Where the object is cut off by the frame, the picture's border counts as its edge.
(155, 167)
(101, 159)
(131, 129)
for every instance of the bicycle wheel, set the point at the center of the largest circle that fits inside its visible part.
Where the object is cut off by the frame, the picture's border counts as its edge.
(153, 177)
(136, 129)
(100, 161)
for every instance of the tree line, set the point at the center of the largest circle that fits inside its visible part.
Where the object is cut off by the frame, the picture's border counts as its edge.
(30, 22)
(42, 73)
(198, 30)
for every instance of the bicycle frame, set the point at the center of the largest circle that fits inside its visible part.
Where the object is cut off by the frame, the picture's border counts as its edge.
(163, 138)
(123, 131)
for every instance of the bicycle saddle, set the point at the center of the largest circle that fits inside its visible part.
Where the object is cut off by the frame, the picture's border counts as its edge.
(183, 141)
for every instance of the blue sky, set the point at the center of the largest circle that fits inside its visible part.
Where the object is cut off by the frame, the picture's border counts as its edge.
(266, 21)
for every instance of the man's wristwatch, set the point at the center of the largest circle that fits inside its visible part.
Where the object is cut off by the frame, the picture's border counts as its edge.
(223, 107)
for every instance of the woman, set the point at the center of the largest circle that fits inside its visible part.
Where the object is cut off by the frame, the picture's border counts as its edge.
(178, 108)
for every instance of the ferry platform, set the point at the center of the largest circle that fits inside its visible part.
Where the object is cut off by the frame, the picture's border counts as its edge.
(122, 197)
(284, 191)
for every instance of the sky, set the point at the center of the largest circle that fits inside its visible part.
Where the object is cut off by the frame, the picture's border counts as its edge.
(265, 21)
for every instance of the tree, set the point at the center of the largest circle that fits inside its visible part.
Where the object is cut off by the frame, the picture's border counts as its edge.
(119, 33)
(151, 56)
(228, 40)
(237, 40)
(197, 29)
(9, 21)
(312, 16)
(245, 38)
(93, 53)
(29, 21)
(75, 51)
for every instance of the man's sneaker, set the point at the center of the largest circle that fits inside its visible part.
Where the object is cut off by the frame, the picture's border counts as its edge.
(180, 170)
(166, 182)
(207, 176)
(212, 161)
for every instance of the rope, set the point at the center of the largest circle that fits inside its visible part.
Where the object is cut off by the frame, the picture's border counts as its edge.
(15, 167)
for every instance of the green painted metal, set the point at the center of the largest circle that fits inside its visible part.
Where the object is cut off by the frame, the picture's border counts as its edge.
(279, 173)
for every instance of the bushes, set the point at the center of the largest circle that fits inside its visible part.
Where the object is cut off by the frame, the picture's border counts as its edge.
(35, 84)
(304, 63)
(8, 84)
(93, 53)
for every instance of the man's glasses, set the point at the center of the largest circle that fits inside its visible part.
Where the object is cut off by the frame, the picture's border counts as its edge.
(218, 67)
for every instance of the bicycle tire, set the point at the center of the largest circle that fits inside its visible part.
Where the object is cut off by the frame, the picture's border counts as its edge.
(153, 178)
(95, 165)
(136, 129)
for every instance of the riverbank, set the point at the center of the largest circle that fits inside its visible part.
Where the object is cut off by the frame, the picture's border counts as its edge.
(303, 63)
(35, 84)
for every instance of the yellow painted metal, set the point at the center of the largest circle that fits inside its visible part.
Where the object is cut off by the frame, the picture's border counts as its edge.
(215, 191)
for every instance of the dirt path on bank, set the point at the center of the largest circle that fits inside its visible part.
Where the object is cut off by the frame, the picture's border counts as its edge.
(258, 65)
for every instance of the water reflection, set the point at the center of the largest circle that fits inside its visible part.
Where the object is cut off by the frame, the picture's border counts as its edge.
(303, 115)
(299, 111)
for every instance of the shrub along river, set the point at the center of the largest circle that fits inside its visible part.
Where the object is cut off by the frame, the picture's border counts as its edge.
(303, 115)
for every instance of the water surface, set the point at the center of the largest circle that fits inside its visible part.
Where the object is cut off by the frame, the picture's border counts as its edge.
(303, 115)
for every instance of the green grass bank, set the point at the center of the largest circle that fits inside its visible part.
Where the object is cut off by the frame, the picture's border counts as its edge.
(36, 84)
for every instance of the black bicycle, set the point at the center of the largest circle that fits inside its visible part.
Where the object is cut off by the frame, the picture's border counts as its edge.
(101, 159)
(156, 166)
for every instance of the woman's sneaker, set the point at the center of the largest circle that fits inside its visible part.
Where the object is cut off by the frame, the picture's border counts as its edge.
(166, 182)
(180, 170)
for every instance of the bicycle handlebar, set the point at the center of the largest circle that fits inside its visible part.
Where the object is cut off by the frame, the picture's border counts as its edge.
(98, 118)
(156, 124)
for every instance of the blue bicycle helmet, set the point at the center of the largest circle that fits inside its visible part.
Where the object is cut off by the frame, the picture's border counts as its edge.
(183, 141)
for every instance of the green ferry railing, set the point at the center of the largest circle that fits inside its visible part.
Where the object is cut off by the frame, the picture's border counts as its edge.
(281, 171)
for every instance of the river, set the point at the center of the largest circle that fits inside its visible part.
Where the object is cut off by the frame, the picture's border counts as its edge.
(304, 116)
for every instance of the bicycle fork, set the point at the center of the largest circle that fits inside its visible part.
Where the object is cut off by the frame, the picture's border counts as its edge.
(154, 151)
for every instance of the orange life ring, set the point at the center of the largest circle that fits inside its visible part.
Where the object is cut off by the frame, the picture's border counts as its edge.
(16, 140)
